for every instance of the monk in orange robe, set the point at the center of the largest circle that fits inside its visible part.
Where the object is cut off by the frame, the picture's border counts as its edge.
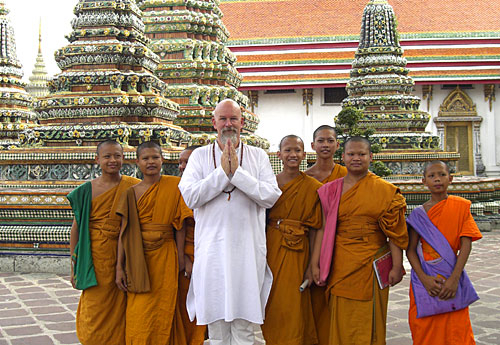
(152, 315)
(371, 211)
(325, 145)
(100, 317)
(451, 215)
(195, 334)
(289, 318)
(325, 170)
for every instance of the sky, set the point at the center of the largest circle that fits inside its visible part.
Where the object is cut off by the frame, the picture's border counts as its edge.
(25, 17)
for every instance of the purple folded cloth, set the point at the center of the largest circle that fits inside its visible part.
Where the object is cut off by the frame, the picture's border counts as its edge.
(329, 195)
(428, 305)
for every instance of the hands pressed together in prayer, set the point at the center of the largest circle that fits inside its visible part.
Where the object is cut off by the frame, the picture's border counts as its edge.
(229, 158)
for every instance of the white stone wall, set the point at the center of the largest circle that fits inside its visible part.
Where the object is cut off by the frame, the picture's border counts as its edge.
(283, 114)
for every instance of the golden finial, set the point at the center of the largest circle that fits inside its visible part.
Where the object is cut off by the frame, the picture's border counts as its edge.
(40, 36)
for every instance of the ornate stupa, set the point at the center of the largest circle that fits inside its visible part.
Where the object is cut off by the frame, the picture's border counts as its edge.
(107, 88)
(190, 38)
(381, 87)
(38, 85)
(15, 102)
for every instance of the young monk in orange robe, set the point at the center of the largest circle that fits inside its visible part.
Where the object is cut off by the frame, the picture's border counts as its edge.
(451, 215)
(371, 211)
(325, 170)
(100, 318)
(195, 334)
(289, 318)
(153, 317)
(325, 145)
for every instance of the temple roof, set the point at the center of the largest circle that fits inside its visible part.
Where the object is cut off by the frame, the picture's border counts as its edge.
(299, 43)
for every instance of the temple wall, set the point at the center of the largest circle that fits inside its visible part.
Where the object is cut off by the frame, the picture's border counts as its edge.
(489, 129)
(283, 114)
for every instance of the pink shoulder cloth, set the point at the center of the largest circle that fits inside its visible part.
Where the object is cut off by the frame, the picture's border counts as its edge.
(329, 195)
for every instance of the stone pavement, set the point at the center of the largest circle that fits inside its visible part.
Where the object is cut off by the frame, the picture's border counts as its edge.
(40, 308)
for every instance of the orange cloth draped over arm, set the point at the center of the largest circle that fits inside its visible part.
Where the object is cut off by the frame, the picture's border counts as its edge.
(370, 213)
(289, 318)
(195, 334)
(453, 219)
(100, 318)
(154, 317)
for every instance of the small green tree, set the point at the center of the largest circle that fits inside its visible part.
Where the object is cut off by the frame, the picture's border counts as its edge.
(347, 125)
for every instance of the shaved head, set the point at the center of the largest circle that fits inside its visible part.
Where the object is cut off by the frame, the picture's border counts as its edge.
(358, 139)
(147, 145)
(225, 104)
(327, 127)
(428, 165)
(107, 142)
(291, 136)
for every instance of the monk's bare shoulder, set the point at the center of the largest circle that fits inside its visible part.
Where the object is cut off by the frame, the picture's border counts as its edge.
(99, 186)
(313, 172)
(428, 205)
(139, 189)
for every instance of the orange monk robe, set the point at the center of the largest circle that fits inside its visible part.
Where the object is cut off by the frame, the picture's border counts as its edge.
(453, 218)
(100, 318)
(337, 172)
(153, 317)
(195, 334)
(321, 311)
(369, 213)
(289, 319)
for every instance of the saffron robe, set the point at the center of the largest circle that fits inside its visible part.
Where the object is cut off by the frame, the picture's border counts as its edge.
(100, 317)
(231, 279)
(337, 172)
(195, 334)
(289, 319)
(369, 213)
(153, 317)
(453, 219)
(319, 300)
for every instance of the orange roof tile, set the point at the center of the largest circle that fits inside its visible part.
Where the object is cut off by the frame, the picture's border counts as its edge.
(342, 78)
(264, 19)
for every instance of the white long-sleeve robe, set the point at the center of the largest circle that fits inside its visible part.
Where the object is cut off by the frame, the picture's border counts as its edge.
(230, 279)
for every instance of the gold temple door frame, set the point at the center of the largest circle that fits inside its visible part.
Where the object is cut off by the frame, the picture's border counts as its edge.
(458, 126)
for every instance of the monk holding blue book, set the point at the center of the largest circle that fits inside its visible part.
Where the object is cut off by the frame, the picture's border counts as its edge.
(440, 290)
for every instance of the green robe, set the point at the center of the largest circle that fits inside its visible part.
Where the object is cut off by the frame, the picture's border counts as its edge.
(83, 270)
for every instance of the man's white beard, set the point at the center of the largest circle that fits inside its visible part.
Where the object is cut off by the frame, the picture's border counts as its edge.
(230, 134)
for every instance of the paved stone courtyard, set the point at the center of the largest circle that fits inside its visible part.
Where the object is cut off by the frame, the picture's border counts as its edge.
(40, 308)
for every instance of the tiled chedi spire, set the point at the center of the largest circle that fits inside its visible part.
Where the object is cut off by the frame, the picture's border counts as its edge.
(190, 37)
(15, 102)
(38, 85)
(381, 87)
(107, 88)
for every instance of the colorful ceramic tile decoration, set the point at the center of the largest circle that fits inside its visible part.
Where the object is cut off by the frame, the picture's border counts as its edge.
(154, 70)
(190, 39)
(15, 103)
(381, 87)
